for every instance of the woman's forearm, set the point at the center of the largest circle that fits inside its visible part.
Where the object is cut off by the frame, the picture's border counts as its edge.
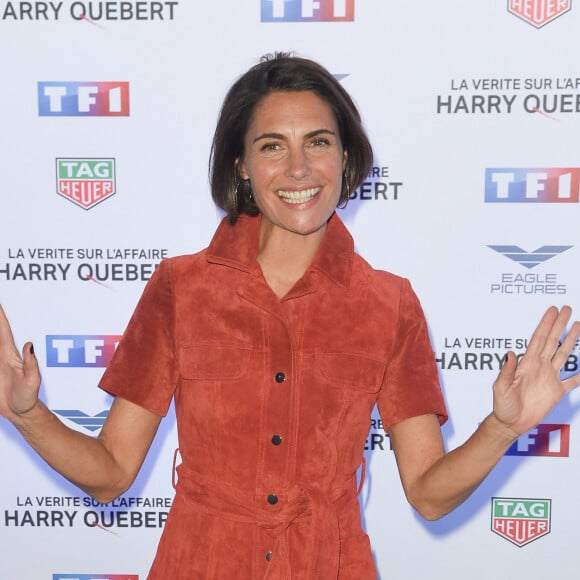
(83, 460)
(455, 475)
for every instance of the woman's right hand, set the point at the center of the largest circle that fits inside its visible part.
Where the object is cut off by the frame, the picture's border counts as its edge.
(19, 375)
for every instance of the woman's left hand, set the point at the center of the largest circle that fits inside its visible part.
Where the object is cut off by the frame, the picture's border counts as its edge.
(525, 391)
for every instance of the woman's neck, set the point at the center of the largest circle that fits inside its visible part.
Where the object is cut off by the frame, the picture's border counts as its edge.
(285, 256)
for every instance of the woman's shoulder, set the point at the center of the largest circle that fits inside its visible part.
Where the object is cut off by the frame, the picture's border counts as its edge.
(185, 261)
(177, 268)
(364, 272)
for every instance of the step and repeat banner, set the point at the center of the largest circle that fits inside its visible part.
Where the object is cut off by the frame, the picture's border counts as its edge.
(107, 111)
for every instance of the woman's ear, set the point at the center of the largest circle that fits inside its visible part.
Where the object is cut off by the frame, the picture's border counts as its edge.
(240, 166)
(344, 159)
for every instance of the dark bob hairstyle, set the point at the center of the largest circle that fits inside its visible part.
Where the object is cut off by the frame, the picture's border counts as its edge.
(280, 72)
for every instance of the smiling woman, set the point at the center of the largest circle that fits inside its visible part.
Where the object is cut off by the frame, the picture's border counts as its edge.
(276, 342)
(293, 160)
(296, 77)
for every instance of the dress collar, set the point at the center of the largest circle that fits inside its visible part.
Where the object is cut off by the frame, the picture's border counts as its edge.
(236, 246)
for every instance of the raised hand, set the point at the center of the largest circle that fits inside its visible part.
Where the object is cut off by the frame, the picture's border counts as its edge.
(525, 391)
(19, 375)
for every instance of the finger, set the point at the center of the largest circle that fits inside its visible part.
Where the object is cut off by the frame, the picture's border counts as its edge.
(557, 330)
(6, 338)
(507, 371)
(566, 347)
(31, 370)
(571, 382)
(5, 330)
(547, 335)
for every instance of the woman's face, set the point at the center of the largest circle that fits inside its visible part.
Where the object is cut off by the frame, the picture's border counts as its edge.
(294, 159)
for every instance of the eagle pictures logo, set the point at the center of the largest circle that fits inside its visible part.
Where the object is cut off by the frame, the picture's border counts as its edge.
(538, 13)
(91, 423)
(529, 259)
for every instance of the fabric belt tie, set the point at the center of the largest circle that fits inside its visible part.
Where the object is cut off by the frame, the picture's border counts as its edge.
(322, 542)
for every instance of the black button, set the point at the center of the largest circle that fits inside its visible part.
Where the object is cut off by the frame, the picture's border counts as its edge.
(280, 377)
(268, 556)
(276, 440)
(273, 499)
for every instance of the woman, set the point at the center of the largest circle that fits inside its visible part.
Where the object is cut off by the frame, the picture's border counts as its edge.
(276, 342)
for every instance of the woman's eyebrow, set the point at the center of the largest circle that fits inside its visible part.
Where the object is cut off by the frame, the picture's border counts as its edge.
(281, 137)
(268, 136)
(320, 132)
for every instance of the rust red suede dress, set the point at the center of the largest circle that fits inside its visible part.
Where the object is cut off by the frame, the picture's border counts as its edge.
(273, 401)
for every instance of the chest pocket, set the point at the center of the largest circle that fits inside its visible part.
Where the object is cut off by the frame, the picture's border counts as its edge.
(347, 370)
(214, 361)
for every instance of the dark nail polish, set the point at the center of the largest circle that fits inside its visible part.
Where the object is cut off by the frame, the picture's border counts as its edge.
(31, 349)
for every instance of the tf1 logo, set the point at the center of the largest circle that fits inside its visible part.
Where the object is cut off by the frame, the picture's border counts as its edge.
(307, 10)
(548, 440)
(554, 185)
(95, 577)
(73, 350)
(83, 99)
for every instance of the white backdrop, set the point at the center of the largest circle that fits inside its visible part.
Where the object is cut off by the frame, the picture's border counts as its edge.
(473, 110)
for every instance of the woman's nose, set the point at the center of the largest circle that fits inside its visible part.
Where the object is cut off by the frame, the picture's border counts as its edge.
(298, 164)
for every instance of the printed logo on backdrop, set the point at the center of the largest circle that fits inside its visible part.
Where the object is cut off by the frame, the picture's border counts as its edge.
(90, 423)
(521, 520)
(307, 10)
(102, 266)
(378, 439)
(545, 440)
(83, 99)
(552, 98)
(90, 12)
(72, 350)
(524, 185)
(530, 259)
(378, 186)
(479, 353)
(85, 182)
(525, 282)
(116, 517)
(95, 577)
(538, 13)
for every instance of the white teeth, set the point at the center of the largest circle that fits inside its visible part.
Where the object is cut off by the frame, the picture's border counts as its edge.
(298, 196)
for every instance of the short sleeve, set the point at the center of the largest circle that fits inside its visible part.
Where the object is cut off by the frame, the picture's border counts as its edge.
(143, 369)
(411, 385)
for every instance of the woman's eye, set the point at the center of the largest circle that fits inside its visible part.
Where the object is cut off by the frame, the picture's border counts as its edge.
(319, 142)
(270, 147)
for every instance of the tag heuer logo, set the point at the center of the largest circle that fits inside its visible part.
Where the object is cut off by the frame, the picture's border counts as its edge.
(520, 521)
(85, 182)
(539, 12)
